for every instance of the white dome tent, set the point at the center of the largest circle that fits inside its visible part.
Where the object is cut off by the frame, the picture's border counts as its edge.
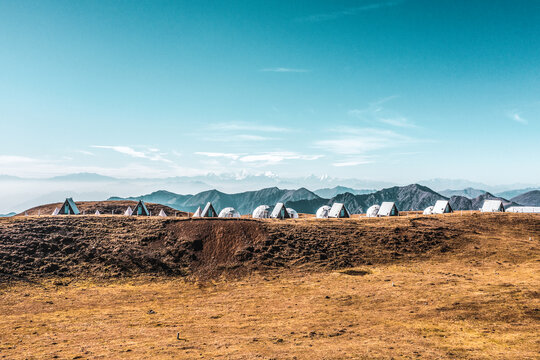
(229, 212)
(372, 211)
(323, 212)
(162, 213)
(56, 211)
(97, 213)
(428, 210)
(128, 212)
(261, 212)
(292, 213)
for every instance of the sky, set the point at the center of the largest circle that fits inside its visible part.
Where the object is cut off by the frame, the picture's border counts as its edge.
(396, 90)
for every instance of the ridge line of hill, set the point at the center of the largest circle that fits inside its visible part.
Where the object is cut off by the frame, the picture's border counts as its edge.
(411, 197)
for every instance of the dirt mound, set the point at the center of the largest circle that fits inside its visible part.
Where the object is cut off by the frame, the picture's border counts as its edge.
(105, 208)
(109, 246)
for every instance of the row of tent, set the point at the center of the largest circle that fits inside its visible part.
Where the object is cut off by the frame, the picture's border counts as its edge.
(337, 210)
(261, 212)
(70, 208)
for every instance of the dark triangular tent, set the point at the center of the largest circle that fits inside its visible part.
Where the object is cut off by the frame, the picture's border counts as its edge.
(280, 212)
(140, 209)
(208, 211)
(69, 208)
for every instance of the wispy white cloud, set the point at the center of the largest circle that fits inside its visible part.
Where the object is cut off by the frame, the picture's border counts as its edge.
(219, 154)
(377, 113)
(516, 116)
(351, 163)
(126, 150)
(248, 137)
(277, 157)
(15, 159)
(285, 70)
(122, 150)
(45, 167)
(85, 152)
(243, 126)
(348, 12)
(355, 141)
(261, 158)
(398, 122)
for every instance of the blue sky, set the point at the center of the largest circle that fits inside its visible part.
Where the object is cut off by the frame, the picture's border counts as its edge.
(385, 90)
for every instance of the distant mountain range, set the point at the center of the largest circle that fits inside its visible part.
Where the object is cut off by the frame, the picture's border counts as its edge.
(467, 192)
(512, 194)
(531, 198)
(410, 197)
(17, 193)
(331, 192)
(463, 203)
(244, 202)
(472, 193)
(8, 215)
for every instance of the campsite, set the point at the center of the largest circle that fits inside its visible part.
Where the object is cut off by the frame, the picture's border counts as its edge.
(269, 180)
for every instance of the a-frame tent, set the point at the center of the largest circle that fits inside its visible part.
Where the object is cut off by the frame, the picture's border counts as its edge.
(69, 208)
(492, 206)
(338, 210)
(388, 208)
(141, 210)
(442, 207)
(197, 213)
(209, 211)
(280, 212)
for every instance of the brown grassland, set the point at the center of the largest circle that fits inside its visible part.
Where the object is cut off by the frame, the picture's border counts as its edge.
(455, 287)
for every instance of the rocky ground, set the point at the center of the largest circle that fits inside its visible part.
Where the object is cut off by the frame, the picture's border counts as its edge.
(113, 246)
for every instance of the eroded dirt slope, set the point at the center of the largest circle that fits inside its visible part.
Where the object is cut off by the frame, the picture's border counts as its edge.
(107, 246)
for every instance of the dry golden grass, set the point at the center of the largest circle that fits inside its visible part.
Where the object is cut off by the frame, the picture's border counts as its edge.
(481, 302)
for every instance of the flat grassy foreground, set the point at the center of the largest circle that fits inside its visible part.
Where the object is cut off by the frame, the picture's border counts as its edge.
(429, 309)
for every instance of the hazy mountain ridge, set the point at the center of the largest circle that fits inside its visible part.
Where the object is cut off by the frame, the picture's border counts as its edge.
(19, 193)
(410, 197)
(469, 192)
(244, 202)
(463, 203)
(531, 198)
(328, 193)
(511, 194)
